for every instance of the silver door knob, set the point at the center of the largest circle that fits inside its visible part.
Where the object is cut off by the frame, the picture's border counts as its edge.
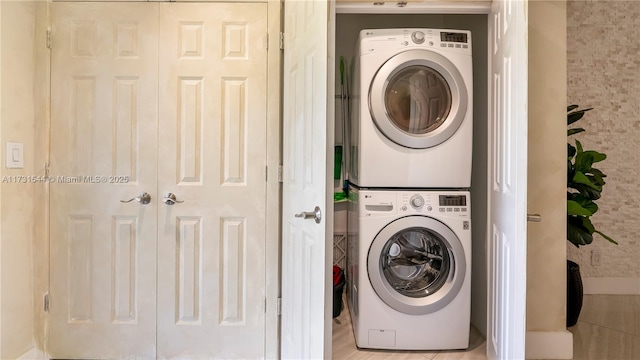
(170, 199)
(143, 199)
(534, 217)
(316, 214)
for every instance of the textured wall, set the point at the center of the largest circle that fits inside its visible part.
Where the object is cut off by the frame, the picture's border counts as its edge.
(603, 55)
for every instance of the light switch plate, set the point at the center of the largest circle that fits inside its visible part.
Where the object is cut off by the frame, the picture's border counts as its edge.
(15, 155)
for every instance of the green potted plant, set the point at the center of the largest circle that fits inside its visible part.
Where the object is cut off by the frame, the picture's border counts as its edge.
(584, 187)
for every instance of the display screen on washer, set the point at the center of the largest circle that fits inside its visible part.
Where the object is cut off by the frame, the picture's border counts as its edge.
(417, 99)
(453, 37)
(416, 262)
(453, 200)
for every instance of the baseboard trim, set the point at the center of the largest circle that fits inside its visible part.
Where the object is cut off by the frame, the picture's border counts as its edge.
(611, 285)
(33, 354)
(549, 345)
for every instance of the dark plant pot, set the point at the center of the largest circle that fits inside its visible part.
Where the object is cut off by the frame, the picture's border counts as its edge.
(574, 293)
(337, 295)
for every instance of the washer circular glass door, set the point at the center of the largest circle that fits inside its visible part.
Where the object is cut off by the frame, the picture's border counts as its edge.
(418, 99)
(416, 265)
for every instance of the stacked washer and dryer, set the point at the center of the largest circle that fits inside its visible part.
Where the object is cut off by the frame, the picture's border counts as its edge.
(409, 217)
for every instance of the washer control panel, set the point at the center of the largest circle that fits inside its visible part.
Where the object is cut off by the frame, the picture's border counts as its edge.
(450, 203)
(376, 203)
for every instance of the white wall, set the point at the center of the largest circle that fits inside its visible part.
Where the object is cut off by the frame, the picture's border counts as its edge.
(17, 125)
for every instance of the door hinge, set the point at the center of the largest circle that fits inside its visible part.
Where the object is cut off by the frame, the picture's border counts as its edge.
(48, 39)
(46, 170)
(280, 170)
(266, 173)
(46, 302)
(267, 42)
(279, 307)
(281, 41)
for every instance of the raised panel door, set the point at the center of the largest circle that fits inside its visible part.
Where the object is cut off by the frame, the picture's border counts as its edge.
(103, 150)
(211, 246)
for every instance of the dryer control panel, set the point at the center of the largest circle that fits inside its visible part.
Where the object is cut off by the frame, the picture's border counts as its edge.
(375, 40)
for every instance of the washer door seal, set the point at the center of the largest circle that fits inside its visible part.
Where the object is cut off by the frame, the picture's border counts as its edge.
(416, 265)
(418, 99)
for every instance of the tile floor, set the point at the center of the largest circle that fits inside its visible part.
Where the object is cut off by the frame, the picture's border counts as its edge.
(608, 329)
(344, 346)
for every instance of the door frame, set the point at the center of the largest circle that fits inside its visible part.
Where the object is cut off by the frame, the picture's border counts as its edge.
(425, 7)
(273, 185)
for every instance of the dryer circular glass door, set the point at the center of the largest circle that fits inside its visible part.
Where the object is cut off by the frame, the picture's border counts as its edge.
(416, 265)
(418, 99)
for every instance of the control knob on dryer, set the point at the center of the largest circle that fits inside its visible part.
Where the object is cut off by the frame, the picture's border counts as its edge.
(417, 201)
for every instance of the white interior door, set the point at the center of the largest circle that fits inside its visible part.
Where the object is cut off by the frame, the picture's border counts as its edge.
(103, 123)
(155, 280)
(306, 247)
(507, 180)
(211, 262)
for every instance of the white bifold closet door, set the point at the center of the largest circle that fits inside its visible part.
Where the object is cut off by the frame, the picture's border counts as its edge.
(157, 98)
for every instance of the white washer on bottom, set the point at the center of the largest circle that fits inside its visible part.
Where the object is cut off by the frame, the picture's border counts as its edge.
(409, 269)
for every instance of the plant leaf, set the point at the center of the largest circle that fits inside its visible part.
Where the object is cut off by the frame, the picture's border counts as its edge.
(573, 208)
(571, 151)
(581, 178)
(585, 191)
(583, 162)
(586, 222)
(598, 176)
(587, 181)
(574, 131)
(597, 156)
(576, 115)
(606, 237)
(577, 234)
(597, 179)
(584, 202)
(597, 172)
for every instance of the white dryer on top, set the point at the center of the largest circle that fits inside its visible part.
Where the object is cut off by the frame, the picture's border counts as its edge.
(412, 124)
